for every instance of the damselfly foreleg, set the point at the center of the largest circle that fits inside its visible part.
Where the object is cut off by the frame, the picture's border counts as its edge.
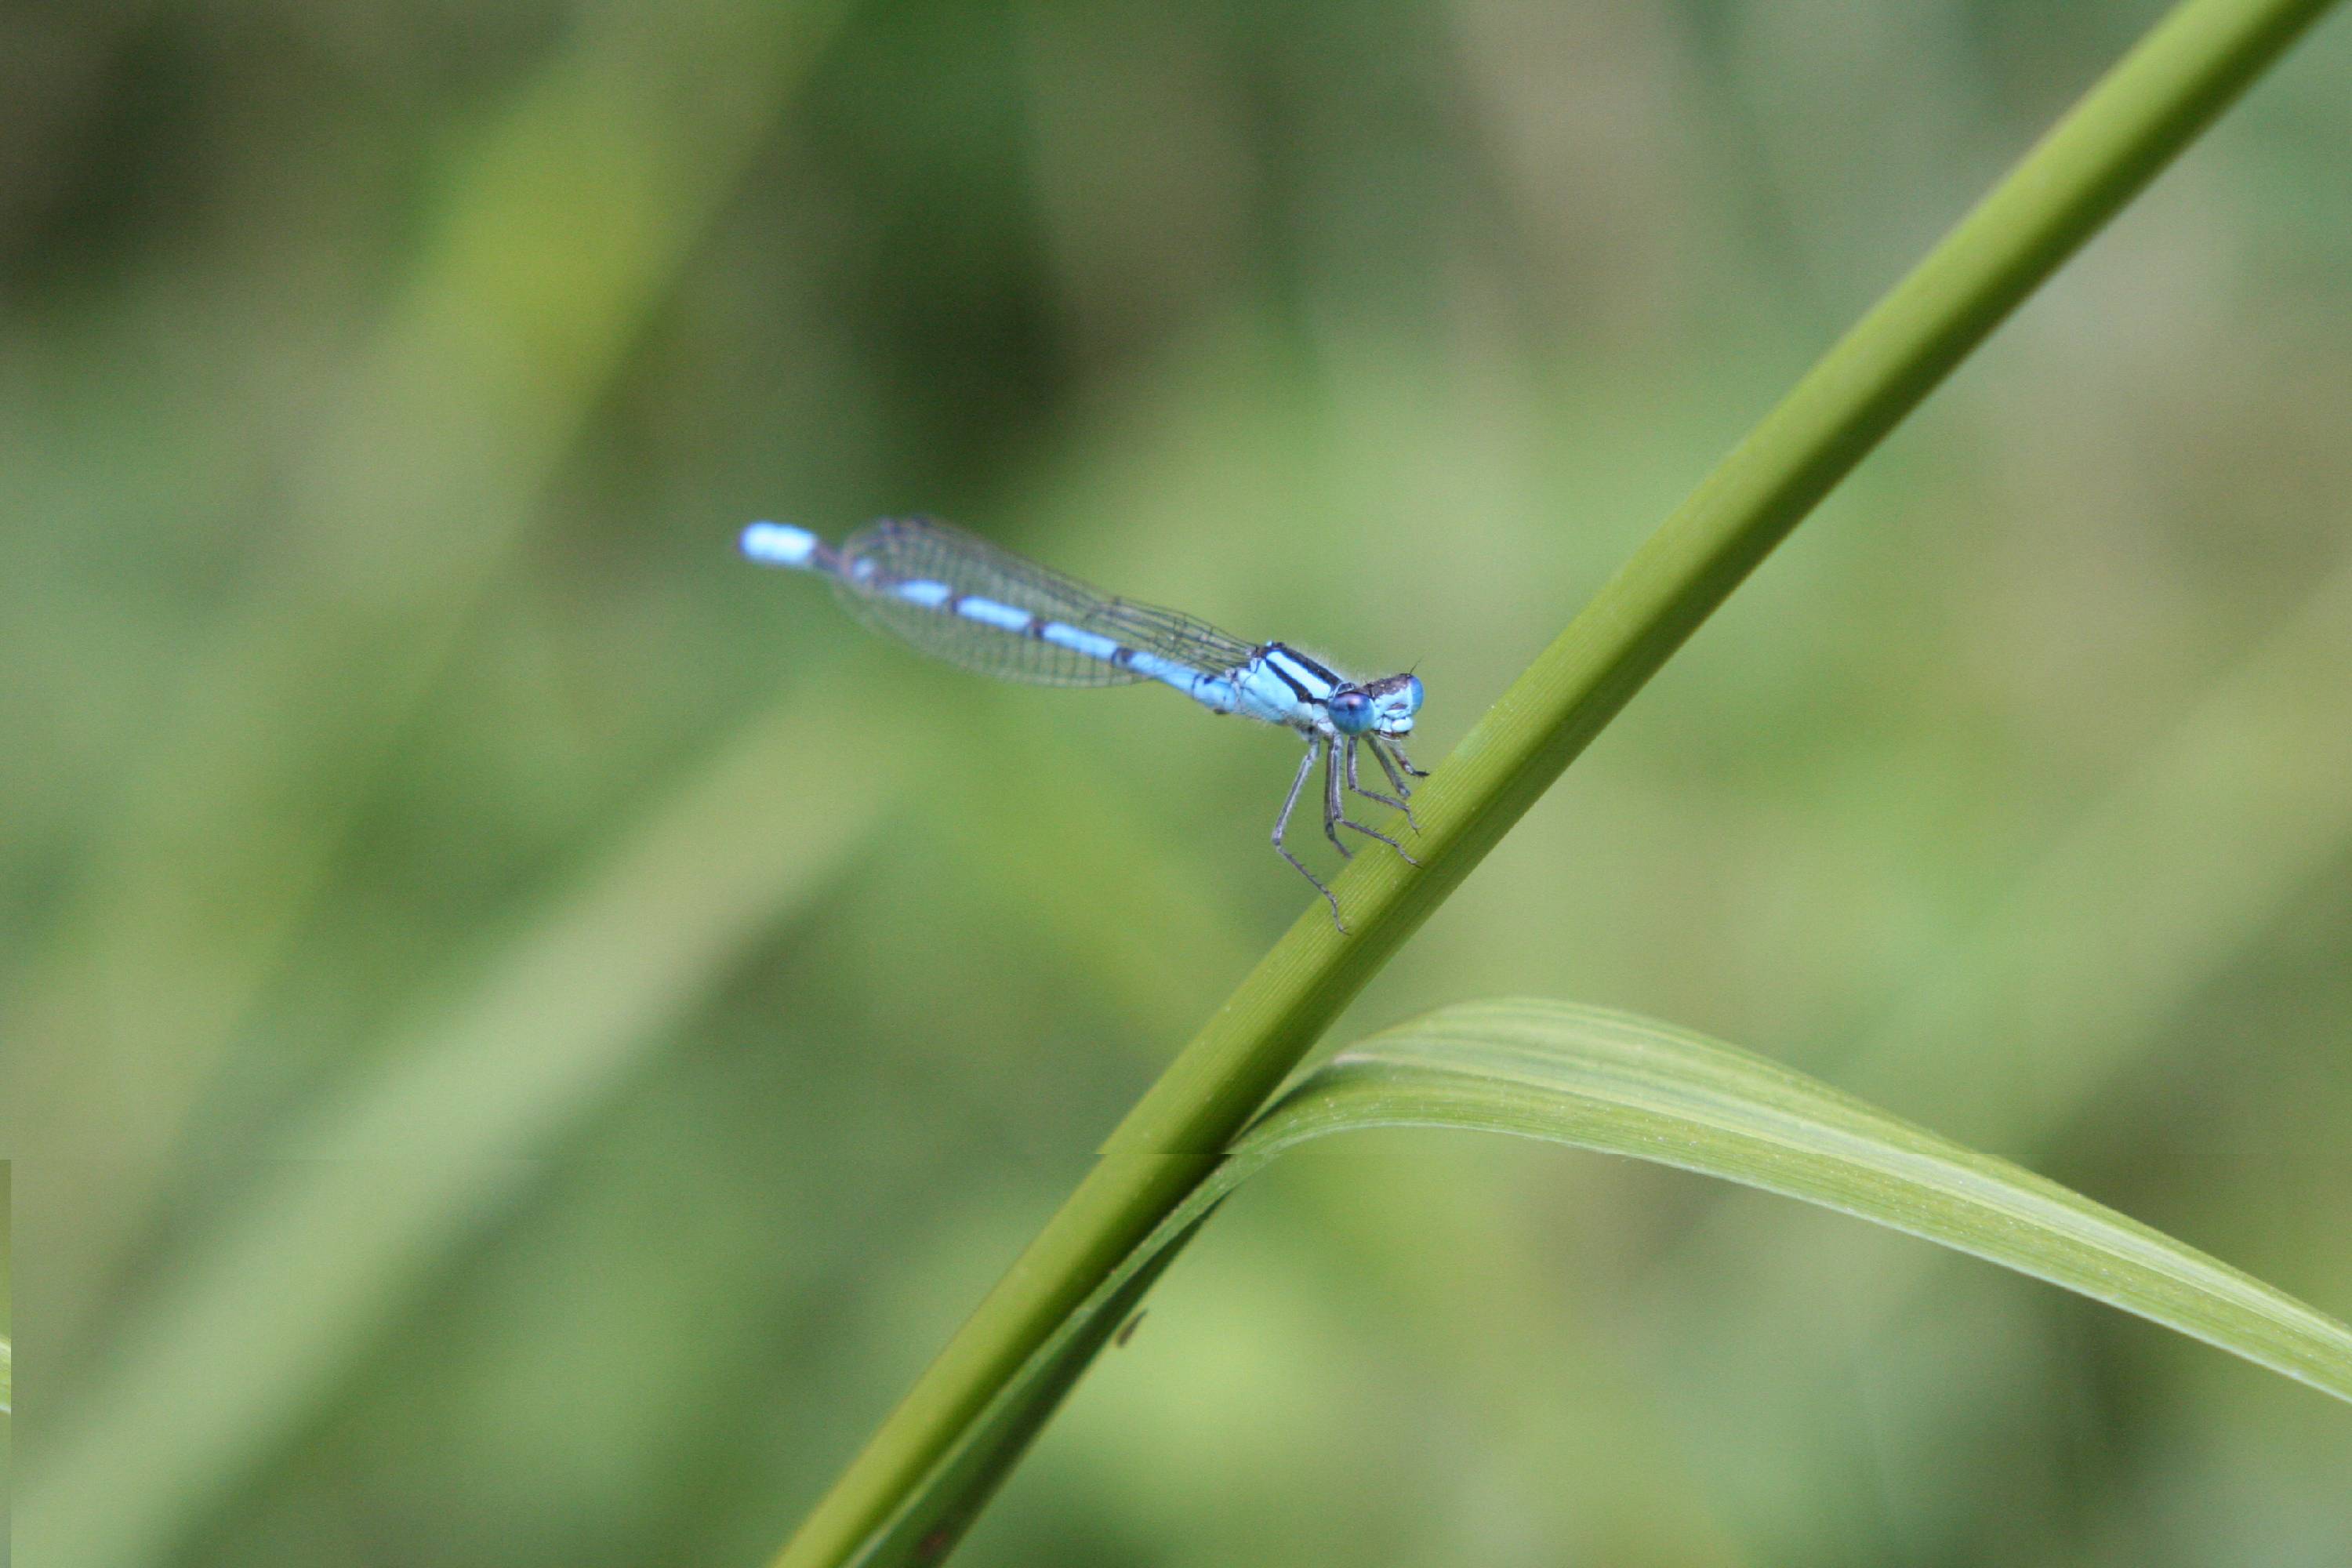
(1392, 744)
(1373, 795)
(1335, 813)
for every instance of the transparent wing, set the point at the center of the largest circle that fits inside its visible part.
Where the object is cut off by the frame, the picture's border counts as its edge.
(910, 549)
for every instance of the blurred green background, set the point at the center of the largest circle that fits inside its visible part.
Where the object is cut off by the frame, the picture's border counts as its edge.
(523, 1032)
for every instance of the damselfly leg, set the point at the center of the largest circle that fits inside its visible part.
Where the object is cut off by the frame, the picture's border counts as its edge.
(1397, 800)
(1282, 823)
(1335, 817)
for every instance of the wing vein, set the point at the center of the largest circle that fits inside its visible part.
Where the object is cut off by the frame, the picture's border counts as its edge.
(907, 550)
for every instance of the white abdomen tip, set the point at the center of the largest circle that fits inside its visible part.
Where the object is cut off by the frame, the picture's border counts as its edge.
(777, 545)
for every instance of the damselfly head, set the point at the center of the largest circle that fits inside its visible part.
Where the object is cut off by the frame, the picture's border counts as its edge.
(1384, 706)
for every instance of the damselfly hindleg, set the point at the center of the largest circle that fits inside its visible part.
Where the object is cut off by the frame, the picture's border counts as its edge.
(1282, 823)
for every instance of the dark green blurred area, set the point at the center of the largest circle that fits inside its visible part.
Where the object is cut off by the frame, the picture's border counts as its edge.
(522, 1032)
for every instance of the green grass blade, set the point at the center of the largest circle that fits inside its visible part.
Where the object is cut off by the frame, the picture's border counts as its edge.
(1593, 1078)
(2141, 115)
(1608, 1080)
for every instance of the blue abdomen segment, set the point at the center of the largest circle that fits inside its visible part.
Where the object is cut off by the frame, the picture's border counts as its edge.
(780, 544)
(961, 599)
(1211, 688)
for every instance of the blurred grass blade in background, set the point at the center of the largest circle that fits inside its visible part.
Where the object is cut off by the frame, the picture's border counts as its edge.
(1595, 1079)
(561, 227)
(2102, 939)
(262, 1316)
(2164, 91)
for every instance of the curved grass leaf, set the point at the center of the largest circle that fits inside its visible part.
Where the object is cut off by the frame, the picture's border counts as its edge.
(1595, 1079)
